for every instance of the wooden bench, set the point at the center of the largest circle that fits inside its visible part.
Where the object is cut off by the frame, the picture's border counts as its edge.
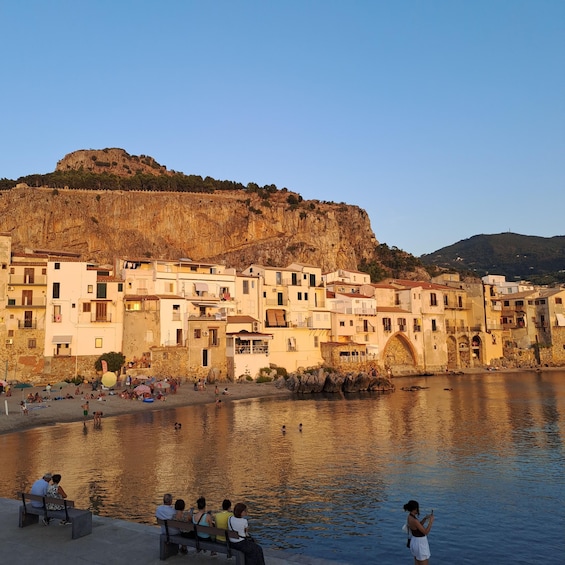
(170, 540)
(81, 520)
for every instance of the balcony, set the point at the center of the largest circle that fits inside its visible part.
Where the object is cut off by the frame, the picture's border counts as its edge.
(38, 280)
(27, 324)
(26, 303)
(101, 318)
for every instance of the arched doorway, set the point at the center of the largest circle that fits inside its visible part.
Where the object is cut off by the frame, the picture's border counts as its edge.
(477, 350)
(464, 352)
(399, 355)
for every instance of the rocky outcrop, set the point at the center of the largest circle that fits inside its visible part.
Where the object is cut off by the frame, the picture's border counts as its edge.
(235, 228)
(112, 161)
(332, 382)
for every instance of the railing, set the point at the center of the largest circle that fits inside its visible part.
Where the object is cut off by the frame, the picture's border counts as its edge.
(27, 324)
(257, 350)
(101, 318)
(365, 311)
(23, 279)
(19, 303)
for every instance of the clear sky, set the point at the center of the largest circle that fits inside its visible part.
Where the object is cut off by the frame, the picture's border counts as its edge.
(442, 119)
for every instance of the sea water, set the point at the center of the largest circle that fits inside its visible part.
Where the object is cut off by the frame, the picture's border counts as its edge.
(484, 451)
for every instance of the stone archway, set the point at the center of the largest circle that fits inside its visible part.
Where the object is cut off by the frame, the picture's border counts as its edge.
(452, 354)
(464, 349)
(399, 355)
(477, 350)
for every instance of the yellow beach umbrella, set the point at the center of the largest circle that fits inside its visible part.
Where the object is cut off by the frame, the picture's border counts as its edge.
(109, 379)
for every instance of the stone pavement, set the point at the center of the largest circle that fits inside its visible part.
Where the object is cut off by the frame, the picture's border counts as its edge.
(112, 542)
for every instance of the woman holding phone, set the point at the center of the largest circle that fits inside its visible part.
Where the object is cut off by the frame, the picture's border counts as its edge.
(419, 546)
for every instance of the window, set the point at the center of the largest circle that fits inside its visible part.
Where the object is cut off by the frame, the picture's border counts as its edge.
(445, 300)
(558, 301)
(57, 266)
(299, 296)
(387, 323)
(56, 290)
(351, 323)
(402, 324)
(197, 333)
(417, 325)
(86, 306)
(433, 299)
(245, 287)
(120, 287)
(90, 289)
(460, 301)
(31, 343)
(342, 323)
(101, 290)
(305, 296)
(98, 343)
(434, 326)
(317, 341)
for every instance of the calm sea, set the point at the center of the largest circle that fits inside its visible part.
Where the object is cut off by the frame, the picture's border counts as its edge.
(487, 455)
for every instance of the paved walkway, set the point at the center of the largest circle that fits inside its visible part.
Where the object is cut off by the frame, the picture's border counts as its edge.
(112, 542)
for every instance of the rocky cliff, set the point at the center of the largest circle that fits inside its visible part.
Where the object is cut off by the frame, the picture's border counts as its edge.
(235, 228)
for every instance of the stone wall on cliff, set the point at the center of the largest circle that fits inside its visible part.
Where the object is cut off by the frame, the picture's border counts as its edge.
(234, 228)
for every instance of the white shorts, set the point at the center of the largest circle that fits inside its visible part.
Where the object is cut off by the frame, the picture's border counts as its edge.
(420, 548)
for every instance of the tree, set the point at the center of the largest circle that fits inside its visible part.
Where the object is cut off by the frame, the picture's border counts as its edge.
(115, 361)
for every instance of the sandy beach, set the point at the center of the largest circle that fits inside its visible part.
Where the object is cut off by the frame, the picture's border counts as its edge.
(53, 411)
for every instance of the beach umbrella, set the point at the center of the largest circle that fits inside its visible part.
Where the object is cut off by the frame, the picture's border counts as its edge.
(23, 385)
(109, 379)
(59, 385)
(142, 389)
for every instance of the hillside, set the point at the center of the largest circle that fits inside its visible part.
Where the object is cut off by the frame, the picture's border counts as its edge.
(513, 255)
(137, 208)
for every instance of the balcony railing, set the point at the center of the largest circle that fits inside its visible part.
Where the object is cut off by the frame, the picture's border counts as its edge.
(26, 303)
(101, 318)
(27, 324)
(26, 280)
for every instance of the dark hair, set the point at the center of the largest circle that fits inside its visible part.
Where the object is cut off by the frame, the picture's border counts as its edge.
(167, 499)
(239, 508)
(226, 504)
(412, 505)
(56, 479)
(179, 504)
(201, 503)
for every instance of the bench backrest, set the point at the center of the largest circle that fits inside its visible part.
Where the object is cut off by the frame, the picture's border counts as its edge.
(190, 527)
(46, 499)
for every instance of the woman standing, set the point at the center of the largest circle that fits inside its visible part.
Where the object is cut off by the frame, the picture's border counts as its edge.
(419, 546)
(238, 522)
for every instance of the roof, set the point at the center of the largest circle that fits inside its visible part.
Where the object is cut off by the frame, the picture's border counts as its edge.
(241, 319)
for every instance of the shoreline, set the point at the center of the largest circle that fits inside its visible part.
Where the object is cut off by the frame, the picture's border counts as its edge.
(53, 412)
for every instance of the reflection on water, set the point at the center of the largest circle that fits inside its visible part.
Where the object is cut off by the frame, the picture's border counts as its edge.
(487, 455)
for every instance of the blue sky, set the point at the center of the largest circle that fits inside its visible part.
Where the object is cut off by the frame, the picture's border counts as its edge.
(442, 119)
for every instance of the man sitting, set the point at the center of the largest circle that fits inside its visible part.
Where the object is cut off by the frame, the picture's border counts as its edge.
(166, 511)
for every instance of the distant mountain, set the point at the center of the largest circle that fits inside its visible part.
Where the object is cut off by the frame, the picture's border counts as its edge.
(513, 255)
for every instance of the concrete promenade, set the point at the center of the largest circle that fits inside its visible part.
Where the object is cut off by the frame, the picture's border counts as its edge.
(111, 542)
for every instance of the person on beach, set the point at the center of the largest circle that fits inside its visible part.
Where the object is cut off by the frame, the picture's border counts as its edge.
(419, 546)
(40, 488)
(221, 518)
(85, 408)
(98, 419)
(55, 490)
(23, 408)
(238, 522)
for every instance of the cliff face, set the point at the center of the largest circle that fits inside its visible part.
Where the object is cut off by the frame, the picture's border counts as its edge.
(233, 228)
